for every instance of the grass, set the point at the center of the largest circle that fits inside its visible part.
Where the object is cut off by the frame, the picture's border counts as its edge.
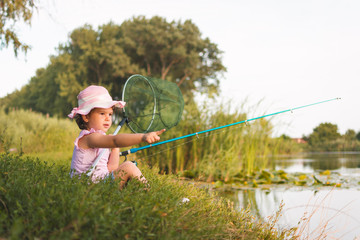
(31, 132)
(219, 155)
(39, 200)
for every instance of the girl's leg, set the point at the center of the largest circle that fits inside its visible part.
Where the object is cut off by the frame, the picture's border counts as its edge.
(128, 170)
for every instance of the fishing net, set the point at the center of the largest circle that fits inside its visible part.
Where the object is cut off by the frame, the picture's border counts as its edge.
(151, 104)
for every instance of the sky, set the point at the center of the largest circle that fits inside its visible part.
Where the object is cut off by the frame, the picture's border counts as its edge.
(279, 54)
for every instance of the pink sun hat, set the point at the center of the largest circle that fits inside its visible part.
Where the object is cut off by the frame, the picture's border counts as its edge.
(94, 97)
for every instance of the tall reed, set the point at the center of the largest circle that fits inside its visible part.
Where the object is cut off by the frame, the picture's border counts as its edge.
(217, 155)
(31, 132)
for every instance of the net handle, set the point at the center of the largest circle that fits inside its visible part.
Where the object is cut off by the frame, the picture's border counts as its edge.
(155, 102)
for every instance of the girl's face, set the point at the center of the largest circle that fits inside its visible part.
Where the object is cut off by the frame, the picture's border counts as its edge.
(99, 119)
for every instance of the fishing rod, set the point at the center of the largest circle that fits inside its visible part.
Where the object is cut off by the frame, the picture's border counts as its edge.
(134, 150)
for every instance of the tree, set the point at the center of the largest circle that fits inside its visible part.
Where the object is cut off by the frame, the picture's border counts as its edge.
(285, 137)
(11, 12)
(174, 51)
(325, 132)
(350, 135)
(109, 55)
(358, 136)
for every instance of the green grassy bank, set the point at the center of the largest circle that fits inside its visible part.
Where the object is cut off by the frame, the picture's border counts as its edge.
(39, 200)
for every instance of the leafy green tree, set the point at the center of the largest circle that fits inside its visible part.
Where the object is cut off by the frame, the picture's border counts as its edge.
(174, 51)
(350, 135)
(42, 94)
(93, 57)
(109, 55)
(285, 137)
(12, 12)
(325, 132)
(358, 136)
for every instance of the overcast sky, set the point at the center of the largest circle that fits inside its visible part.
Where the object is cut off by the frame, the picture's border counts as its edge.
(285, 53)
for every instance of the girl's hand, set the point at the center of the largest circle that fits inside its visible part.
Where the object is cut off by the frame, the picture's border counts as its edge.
(152, 137)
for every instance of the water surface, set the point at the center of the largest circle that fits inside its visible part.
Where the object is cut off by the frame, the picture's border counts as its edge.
(335, 211)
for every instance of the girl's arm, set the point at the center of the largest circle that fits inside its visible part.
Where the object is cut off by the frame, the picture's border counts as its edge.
(114, 159)
(97, 140)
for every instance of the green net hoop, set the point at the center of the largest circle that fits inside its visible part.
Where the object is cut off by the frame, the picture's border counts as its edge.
(151, 104)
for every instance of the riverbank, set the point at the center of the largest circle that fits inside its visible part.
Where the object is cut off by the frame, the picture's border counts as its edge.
(39, 200)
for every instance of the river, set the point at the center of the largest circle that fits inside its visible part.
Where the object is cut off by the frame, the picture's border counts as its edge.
(330, 212)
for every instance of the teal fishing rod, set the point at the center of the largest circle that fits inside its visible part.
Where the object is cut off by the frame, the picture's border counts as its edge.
(134, 150)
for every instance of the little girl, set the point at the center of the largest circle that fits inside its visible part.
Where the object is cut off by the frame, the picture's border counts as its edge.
(93, 116)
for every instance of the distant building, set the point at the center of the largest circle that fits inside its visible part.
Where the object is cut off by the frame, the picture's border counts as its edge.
(299, 140)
